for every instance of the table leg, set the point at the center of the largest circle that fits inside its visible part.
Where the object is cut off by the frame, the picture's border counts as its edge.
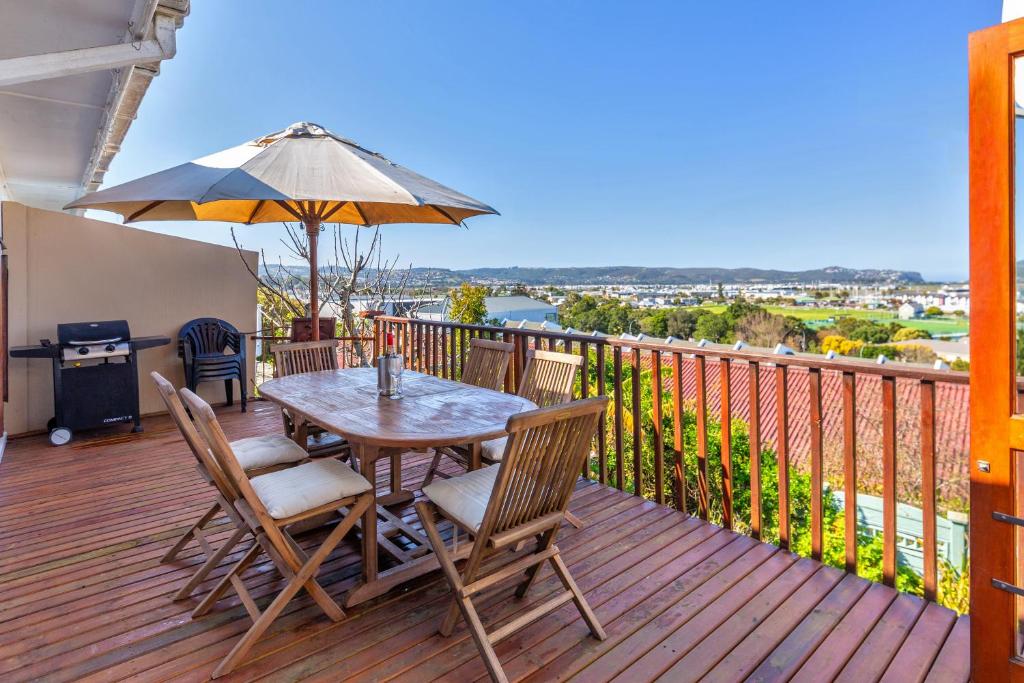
(368, 464)
(475, 456)
(398, 495)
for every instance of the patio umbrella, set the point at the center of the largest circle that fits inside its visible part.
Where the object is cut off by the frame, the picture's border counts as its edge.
(304, 173)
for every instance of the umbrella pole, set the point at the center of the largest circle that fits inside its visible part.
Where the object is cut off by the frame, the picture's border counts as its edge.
(312, 232)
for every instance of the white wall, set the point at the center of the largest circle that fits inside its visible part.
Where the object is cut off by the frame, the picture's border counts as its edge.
(65, 268)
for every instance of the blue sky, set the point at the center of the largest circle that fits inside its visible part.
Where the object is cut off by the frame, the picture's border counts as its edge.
(778, 135)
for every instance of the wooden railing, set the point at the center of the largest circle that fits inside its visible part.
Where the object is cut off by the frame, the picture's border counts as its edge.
(440, 349)
(349, 348)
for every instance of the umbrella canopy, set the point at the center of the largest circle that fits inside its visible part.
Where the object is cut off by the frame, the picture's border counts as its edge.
(304, 173)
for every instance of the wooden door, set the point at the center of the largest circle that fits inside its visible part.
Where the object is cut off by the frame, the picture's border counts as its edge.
(997, 425)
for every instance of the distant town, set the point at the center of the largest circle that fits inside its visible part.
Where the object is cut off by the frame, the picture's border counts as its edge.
(881, 315)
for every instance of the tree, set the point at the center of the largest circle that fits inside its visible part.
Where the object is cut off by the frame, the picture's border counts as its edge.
(908, 333)
(352, 268)
(765, 329)
(713, 327)
(680, 323)
(932, 312)
(518, 289)
(467, 304)
(841, 345)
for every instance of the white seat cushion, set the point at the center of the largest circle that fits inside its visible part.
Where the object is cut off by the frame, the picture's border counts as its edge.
(464, 498)
(494, 450)
(256, 452)
(295, 490)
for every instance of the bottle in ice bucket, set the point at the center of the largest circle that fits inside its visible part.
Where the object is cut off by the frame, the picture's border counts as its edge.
(389, 370)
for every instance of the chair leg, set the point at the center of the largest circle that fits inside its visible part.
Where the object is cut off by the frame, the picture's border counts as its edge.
(211, 563)
(460, 603)
(190, 534)
(434, 464)
(229, 392)
(230, 579)
(531, 574)
(577, 596)
(301, 579)
(573, 519)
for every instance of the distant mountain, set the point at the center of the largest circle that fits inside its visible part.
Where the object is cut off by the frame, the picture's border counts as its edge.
(639, 275)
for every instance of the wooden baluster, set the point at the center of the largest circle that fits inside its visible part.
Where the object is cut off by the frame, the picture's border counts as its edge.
(817, 466)
(519, 358)
(702, 436)
(679, 484)
(638, 461)
(444, 353)
(376, 339)
(659, 446)
(928, 487)
(850, 468)
(453, 354)
(754, 381)
(463, 344)
(406, 346)
(619, 457)
(889, 481)
(726, 441)
(602, 445)
(782, 451)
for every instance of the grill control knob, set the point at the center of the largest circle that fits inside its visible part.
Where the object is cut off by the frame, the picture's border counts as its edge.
(109, 348)
(83, 350)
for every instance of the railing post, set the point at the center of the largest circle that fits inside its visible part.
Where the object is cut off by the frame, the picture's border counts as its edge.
(850, 468)
(726, 441)
(602, 445)
(928, 487)
(889, 481)
(817, 474)
(617, 362)
(638, 435)
(659, 446)
(782, 452)
(753, 380)
(702, 437)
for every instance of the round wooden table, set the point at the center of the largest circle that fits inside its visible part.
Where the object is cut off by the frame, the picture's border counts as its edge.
(432, 412)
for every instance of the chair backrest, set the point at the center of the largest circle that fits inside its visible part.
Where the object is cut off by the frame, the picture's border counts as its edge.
(543, 457)
(210, 335)
(486, 363)
(196, 443)
(207, 425)
(548, 377)
(299, 357)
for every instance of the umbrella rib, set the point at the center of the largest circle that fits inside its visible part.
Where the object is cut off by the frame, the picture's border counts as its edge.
(334, 211)
(284, 205)
(444, 213)
(147, 207)
(359, 210)
(259, 205)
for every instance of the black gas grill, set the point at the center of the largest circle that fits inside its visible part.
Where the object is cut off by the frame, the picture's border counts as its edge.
(95, 375)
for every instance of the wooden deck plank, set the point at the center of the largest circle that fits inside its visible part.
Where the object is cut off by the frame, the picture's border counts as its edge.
(83, 595)
(872, 658)
(700, 658)
(953, 663)
(802, 641)
(753, 649)
(831, 656)
(914, 659)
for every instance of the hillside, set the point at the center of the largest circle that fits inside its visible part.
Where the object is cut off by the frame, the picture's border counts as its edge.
(639, 275)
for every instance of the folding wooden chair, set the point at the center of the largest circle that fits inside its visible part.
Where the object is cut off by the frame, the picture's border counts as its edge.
(525, 496)
(548, 380)
(297, 358)
(257, 455)
(269, 504)
(485, 367)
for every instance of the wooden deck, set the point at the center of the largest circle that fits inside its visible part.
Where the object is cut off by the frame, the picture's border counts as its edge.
(83, 596)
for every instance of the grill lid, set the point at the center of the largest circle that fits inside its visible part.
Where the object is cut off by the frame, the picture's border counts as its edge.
(102, 332)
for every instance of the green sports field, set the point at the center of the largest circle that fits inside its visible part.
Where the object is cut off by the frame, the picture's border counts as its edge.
(822, 317)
